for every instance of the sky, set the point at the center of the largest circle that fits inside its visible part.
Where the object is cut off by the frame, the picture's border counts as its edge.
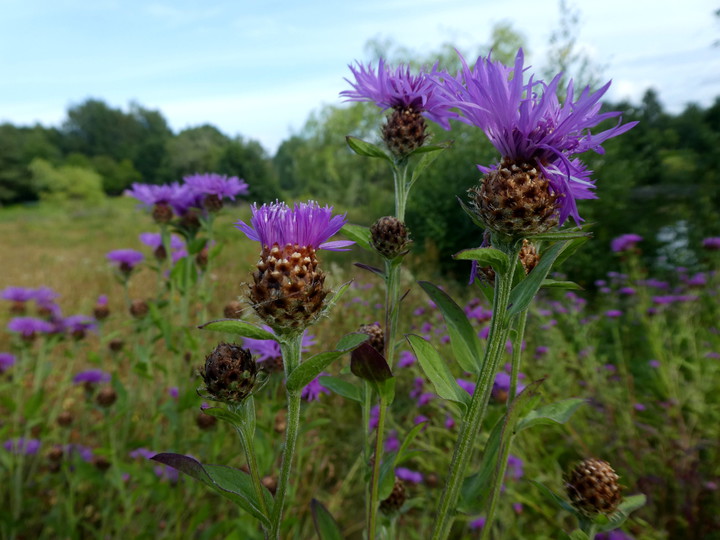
(258, 68)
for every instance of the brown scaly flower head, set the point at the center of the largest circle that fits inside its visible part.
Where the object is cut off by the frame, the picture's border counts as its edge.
(101, 311)
(377, 336)
(593, 488)
(390, 237)
(395, 500)
(288, 290)
(535, 186)
(229, 374)
(412, 99)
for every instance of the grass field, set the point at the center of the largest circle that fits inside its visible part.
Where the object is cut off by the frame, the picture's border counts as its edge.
(645, 356)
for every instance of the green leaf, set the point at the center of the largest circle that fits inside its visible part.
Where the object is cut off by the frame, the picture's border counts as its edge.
(359, 234)
(341, 387)
(560, 235)
(221, 413)
(436, 369)
(472, 215)
(325, 525)
(431, 153)
(572, 247)
(184, 274)
(485, 256)
(337, 295)
(238, 328)
(617, 518)
(373, 269)
(196, 246)
(464, 341)
(387, 477)
(577, 534)
(364, 148)
(401, 454)
(477, 487)
(231, 483)
(553, 497)
(351, 341)
(554, 413)
(553, 284)
(311, 368)
(522, 295)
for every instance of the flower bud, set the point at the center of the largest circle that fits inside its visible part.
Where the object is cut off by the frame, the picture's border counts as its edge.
(395, 500)
(139, 309)
(593, 488)
(377, 336)
(205, 421)
(390, 237)
(229, 374)
(106, 397)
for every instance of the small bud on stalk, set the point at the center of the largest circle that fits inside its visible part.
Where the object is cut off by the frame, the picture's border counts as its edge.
(377, 336)
(229, 374)
(395, 500)
(390, 237)
(593, 487)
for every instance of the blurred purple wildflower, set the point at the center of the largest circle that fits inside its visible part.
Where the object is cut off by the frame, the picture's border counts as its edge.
(18, 294)
(613, 313)
(515, 467)
(527, 123)
(141, 453)
(392, 443)
(269, 349)
(29, 326)
(306, 225)
(174, 392)
(314, 390)
(477, 524)
(616, 534)
(406, 359)
(408, 475)
(374, 417)
(221, 186)
(91, 376)
(7, 361)
(154, 240)
(468, 386)
(22, 445)
(398, 89)
(712, 243)
(125, 259)
(150, 195)
(625, 242)
(78, 324)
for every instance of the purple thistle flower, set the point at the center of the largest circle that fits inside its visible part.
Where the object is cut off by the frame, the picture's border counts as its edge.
(374, 417)
(141, 453)
(408, 475)
(29, 326)
(215, 184)
(419, 419)
(154, 240)
(449, 422)
(305, 225)
(406, 359)
(477, 524)
(125, 259)
(18, 294)
(150, 195)
(468, 386)
(392, 443)
(613, 313)
(7, 361)
(269, 349)
(78, 325)
(616, 534)
(174, 392)
(314, 390)
(91, 376)
(22, 446)
(712, 243)
(398, 89)
(527, 123)
(515, 467)
(625, 242)
(85, 453)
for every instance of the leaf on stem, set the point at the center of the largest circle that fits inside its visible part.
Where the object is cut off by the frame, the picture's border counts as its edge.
(364, 148)
(341, 387)
(485, 256)
(464, 341)
(311, 368)
(238, 328)
(373, 269)
(554, 413)
(617, 518)
(325, 525)
(368, 364)
(436, 369)
(359, 234)
(231, 483)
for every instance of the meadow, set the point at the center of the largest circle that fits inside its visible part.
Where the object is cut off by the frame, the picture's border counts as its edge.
(85, 407)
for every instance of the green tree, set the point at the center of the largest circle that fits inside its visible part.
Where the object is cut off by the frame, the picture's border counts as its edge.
(66, 185)
(195, 150)
(248, 160)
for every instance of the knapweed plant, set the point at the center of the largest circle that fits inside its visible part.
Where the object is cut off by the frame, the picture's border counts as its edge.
(288, 294)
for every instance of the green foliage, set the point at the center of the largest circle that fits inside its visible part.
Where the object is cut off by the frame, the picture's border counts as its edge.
(248, 160)
(67, 184)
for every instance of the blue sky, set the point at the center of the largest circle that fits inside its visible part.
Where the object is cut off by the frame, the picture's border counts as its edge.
(257, 68)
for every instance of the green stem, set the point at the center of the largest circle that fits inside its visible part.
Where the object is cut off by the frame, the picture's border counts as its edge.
(291, 347)
(401, 190)
(249, 450)
(375, 478)
(478, 404)
(517, 356)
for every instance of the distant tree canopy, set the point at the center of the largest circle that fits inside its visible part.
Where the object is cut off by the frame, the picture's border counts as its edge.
(660, 180)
